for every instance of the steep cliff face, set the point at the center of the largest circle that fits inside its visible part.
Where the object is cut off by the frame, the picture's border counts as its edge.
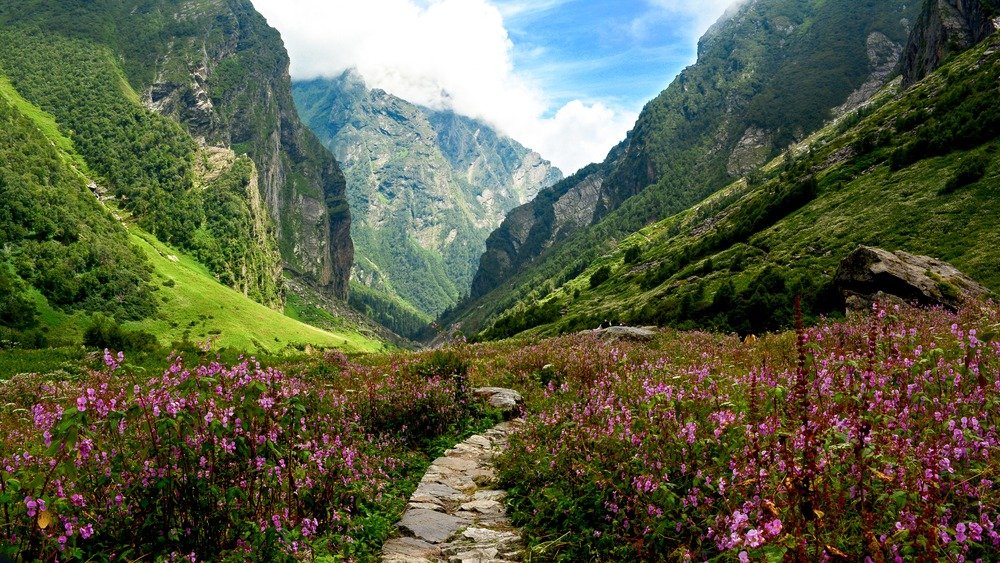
(767, 74)
(216, 67)
(228, 83)
(425, 187)
(947, 27)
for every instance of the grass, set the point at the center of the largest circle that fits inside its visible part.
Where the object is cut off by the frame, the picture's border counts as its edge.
(195, 305)
(68, 359)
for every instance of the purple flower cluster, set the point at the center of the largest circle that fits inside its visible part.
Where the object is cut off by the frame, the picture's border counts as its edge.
(873, 437)
(202, 461)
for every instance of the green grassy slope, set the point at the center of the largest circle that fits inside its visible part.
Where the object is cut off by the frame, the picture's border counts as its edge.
(42, 176)
(916, 171)
(766, 76)
(198, 306)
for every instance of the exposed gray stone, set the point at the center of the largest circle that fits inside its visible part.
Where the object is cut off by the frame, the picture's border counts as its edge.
(425, 506)
(410, 550)
(481, 535)
(449, 525)
(483, 506)
(489, 495)
(439, 491)
(507, 400)
(478, 555)
(456, 463)
(625, 333)
(868, 272)
(430, 525)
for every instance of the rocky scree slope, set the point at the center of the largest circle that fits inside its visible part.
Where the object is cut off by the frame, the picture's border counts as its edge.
(426, 187)
(768, 73)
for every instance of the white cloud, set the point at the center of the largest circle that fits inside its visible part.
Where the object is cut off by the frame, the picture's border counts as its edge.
(445, 54)
(702, 13)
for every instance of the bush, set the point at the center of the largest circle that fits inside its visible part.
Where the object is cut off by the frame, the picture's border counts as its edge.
(633, 254)
(969, 171)
(600, 276)
(828, 444)
(105, 333)
(16, 308)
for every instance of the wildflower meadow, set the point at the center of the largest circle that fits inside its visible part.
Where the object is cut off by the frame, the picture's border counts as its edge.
(219, 462)
(867, 439)
(871, 439)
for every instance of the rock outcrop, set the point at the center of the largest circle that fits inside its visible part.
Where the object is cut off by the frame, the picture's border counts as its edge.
(947, 27)
(507, 400)
(869, 274)
(640, 334)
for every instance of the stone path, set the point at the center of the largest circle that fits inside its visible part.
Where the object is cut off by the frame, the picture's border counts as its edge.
(456, 514)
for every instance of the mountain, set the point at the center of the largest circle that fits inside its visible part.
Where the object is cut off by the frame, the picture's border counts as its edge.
(219, 71)
(768, 73)
(138, 131)
(914, 169)
(426, 187)
(944, 28)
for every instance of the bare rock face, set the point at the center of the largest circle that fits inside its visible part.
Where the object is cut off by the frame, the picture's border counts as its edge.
(947, 27)
(426, 187)
(883, 59)
(868, 274)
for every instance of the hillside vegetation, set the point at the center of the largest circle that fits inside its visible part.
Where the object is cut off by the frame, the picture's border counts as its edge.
(211, 71)
(146, 161)
(767, 74)
(57, 239)
(914, 170)
(68, 260)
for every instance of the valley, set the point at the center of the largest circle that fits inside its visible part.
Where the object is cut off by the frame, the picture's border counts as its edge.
(253, 313)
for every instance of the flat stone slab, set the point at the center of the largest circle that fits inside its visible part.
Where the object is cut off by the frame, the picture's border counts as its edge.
(430, 525)
(489, 495)
(411, 550)
(439, 491)
(480, 555)
(455, 515)
(456, 463)
(481, 535)
(482, 506)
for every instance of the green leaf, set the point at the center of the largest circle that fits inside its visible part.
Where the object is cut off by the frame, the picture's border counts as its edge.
(775, 554)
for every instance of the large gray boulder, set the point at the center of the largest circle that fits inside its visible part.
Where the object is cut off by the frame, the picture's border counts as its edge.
(639, 334)
(507, 400)
(869, 274)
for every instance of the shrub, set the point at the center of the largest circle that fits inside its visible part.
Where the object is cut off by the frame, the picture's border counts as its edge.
(600, 276)
(215, 462)
(106, 333)
(969, 171)
(633, 254)
(873, 438)
(16, 308)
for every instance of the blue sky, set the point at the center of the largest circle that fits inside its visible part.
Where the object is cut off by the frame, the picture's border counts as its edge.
(566, 78)
(618, 52)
